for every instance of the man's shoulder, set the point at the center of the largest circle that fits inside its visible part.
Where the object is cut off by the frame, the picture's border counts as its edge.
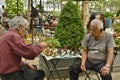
(107, 35)
(87, 35)
(11, 33)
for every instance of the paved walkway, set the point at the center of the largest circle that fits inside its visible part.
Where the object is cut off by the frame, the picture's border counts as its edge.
(116, 76)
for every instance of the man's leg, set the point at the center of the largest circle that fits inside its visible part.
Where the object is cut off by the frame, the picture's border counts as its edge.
(13, 76)
(98, 68)
(74, 71)
(107, 77)
(40, 75)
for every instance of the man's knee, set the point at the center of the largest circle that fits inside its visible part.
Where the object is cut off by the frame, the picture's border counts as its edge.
(41, 73)
(75, 69)
(72, 67)
(107, 77)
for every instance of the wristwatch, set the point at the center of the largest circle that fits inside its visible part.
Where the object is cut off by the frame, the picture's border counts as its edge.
(107, 65)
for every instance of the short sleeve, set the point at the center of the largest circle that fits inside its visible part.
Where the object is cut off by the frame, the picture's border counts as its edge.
(86, 40)
(111, 42)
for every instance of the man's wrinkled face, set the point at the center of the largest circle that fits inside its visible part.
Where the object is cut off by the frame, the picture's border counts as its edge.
(94, 31)
(22, 31)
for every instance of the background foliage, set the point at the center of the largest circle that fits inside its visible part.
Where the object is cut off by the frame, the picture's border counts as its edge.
(69, 30)
(11, 8)
(109, 15)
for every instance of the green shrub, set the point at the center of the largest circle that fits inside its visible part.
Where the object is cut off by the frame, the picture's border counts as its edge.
(70, 30)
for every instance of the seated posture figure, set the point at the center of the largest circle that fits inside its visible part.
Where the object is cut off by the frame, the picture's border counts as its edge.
(97, 55)
(13, 48)
(40, 74)
(31, 72)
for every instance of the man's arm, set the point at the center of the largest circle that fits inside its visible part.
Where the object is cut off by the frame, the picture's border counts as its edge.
(111, 44)
(85, 51)
(110, 57)
(84, 57)
(110, 50)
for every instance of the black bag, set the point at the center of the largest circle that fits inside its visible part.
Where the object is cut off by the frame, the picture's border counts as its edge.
(28, 74)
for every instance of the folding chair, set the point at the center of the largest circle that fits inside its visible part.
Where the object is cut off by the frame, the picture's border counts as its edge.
(96, 73)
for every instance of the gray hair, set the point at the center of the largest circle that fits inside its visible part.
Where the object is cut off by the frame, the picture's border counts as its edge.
(18, 20)
(98, 23)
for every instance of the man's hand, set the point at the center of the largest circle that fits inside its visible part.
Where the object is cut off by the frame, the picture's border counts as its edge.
(83, 67)
(43, 44)
(105, 70)
(30, 66)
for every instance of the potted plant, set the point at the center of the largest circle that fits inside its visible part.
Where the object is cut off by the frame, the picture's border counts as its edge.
(116, 27)
(69, 30)
(52, 45)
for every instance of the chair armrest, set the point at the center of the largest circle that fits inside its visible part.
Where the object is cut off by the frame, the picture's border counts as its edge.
(116, 50)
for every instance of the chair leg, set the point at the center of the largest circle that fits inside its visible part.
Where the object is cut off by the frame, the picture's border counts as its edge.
(90, 78)
(97, 76)
(87, 75)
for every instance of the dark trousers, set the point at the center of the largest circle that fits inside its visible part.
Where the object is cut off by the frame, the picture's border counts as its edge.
(18, 75)
(40, 75)
(75, 70)
(13, 76)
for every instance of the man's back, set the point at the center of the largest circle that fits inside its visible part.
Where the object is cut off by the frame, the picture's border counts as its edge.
(9, 60)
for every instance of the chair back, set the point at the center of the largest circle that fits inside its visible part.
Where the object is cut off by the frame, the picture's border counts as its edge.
(115, 51)
(115, 54)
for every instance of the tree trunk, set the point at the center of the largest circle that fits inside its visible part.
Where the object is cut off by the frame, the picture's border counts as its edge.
(85, 12)
(75, 50)
(28, 12)
(65, 48)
